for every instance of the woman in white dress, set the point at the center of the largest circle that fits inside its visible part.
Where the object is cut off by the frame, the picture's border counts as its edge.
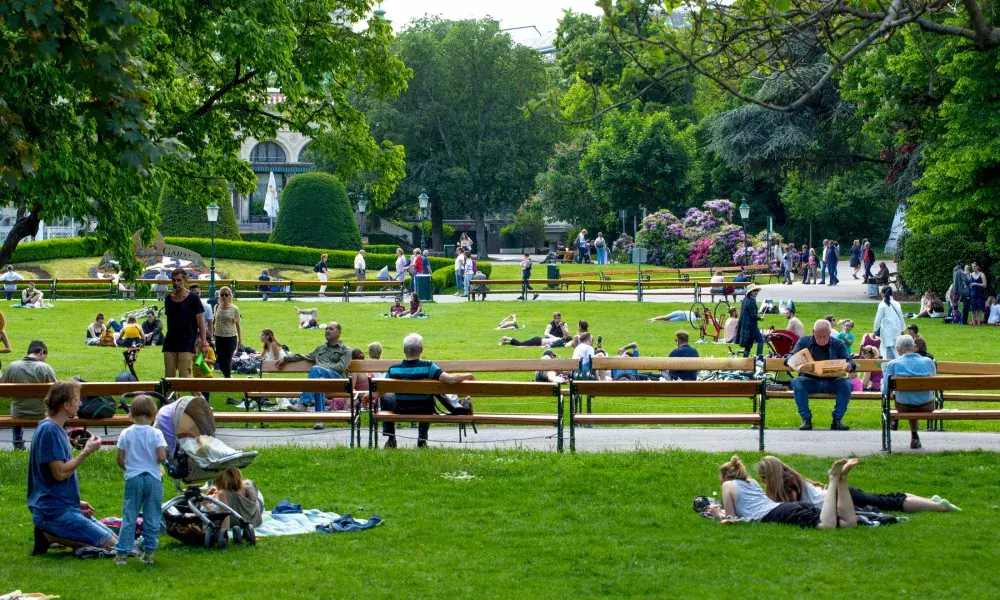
(889, 323)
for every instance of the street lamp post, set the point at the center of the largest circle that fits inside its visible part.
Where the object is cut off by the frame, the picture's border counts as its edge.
(744, 215)
(213, 216)
(422, 199)
(362, 205)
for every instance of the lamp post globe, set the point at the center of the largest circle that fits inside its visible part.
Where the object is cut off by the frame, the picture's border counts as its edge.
(213, 216)
(423, 200)
(744, 215)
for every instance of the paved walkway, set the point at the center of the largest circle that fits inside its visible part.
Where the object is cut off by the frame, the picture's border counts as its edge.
(823, 443)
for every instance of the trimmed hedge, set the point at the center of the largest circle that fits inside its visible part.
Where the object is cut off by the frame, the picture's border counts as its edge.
(315, 211)
(381, 248)
(182, 211)
(443, 274)
(256, 236)
(928, 260)
(50, 249)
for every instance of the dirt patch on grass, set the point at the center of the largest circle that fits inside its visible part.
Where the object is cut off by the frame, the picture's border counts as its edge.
(33, 272)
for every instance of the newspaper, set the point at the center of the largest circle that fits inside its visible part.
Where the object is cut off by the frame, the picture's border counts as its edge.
(822, 368)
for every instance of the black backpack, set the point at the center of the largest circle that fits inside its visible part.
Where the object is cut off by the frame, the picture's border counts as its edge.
(97, 407)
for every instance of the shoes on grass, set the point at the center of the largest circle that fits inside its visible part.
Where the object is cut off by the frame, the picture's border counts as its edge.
(146, 558)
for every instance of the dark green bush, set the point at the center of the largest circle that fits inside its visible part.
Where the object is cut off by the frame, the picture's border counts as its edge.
(316, 212)
(182, 211)
(256, 236)
(384, 239)
(381, 248)
(445, 278)
(928, 260)
(58, 248)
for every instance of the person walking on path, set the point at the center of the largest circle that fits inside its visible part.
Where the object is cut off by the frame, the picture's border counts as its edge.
(581, 243)
(822, 258)
(30, 369)
(889, 323)
(748, 327)
(960, 284)
(400, 265)
(977, 294)
(186, 329)
(868, 258)
(602, 249)
(856, 258)
(322, 272)
(360, 267)
(830, 260)
(470, 272)
(228, 333)
(525, 277)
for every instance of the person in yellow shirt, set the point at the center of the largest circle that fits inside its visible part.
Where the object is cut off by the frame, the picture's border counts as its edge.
(197, 371)
(131, 334)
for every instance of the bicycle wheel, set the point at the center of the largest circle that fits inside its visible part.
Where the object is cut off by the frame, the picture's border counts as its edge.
(696, 316)
(721, 312)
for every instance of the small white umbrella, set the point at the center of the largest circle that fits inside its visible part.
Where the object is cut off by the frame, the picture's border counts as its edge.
(271, 197)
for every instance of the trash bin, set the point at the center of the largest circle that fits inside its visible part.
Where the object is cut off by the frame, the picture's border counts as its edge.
(425, 288)
(449, 250)
(553, 273)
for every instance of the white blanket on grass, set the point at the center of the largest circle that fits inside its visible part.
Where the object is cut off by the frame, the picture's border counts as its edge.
(296, 523)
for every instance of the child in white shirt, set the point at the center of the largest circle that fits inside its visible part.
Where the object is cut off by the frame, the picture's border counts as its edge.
(141, 451)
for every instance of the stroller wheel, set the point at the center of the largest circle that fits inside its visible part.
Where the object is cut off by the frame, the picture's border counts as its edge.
(237, 535)
(249, 536)
(222, 541)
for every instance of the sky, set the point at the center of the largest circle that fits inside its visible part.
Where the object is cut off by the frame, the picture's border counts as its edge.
(543, 14)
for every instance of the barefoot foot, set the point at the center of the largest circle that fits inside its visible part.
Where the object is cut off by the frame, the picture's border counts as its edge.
(837, 469)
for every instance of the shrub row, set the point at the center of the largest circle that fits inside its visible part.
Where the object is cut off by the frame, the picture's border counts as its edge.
(50, 249)
(256, 236)
(381, 248)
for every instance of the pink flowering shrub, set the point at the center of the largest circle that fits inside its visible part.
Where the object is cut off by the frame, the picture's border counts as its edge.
(700, 251)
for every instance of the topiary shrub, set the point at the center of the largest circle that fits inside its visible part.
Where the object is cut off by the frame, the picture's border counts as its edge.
(928, 260)
(57, 248)
(316, 212)
(182, 210)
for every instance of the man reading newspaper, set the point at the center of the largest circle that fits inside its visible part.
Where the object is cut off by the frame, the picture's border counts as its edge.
(823, 363)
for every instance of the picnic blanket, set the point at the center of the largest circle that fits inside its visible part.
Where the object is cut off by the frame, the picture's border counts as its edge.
(311, 521)
(420, 316)
(44, 305)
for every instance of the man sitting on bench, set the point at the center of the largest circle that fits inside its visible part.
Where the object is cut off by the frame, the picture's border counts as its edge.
(910, 364)
(331, 361)
(822, 347)
(414, 369)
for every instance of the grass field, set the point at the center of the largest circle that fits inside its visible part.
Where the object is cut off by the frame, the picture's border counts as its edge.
(466, 331)
(538, 525)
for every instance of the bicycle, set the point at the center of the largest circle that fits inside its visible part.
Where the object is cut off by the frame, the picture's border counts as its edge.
(702, 319)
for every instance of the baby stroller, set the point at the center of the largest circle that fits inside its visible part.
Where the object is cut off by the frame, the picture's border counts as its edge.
(781, 342)
(196, 456)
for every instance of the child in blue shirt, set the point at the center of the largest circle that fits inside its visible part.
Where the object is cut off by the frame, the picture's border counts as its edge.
(141, 451)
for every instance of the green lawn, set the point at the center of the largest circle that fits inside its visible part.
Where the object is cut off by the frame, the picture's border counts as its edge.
(466, 331)
(538, 525)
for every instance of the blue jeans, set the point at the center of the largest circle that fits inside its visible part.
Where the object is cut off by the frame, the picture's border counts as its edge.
(890, 350)
(73, 525)
(319, 398)
(468, 283)
(822, 272)
(832, 269)
(757, 337)
(459, 282)
(803, 386)
(142, 492)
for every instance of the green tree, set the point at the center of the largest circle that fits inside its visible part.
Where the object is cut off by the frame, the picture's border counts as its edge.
(564, 188)
(467, 139)
(315, 212)
(104, 100)
(182, 213)
(642, 161)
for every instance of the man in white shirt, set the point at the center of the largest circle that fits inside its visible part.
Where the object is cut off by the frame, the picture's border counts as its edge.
(9, 278)
(794, 324)
(459, 271)
(360, 267)
(584, 349)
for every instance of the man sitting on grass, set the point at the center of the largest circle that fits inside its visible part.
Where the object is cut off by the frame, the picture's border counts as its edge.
(332, 359)
(31, 297)
(414, 369)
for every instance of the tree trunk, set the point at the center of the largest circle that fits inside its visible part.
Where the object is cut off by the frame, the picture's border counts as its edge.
(480, 235)
(23, 227)
(437, 226)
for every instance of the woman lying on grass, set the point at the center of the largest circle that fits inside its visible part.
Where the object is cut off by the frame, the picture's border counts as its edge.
(744, 500)
(784, 484)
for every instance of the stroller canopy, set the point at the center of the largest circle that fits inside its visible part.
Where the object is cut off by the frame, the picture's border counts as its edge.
(188, 427)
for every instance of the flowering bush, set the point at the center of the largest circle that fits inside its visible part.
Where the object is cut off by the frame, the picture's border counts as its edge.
(621, 247)
(700, 252)
(722, 209)
(664, 236)
(757, 254)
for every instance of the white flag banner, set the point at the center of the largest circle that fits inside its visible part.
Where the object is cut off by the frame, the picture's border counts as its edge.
(271, 197)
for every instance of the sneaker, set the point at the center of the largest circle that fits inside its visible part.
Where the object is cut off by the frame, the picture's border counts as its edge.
(121, 560)
(915, 444)
(838, 426)
(318, 426)
(297, 407)
(146, 558)
(535, 297)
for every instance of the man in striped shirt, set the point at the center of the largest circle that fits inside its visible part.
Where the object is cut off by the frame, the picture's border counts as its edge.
(414, 404)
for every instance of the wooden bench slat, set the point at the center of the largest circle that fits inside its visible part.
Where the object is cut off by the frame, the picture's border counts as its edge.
(115, 421)
(948, 415)
(677, 364)
(478, 419)
(465, 388)
(958, 382)
(39, 390)
(679, 389)
(330, 416)
(667, 419)
(330, 387)
(972, 397)
(967, 368)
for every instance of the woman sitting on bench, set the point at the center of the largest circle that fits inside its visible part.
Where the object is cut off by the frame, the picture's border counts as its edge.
(784, 484)
(744, 500)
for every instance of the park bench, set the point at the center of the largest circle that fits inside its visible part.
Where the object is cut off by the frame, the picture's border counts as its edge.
(962, 368)
(777, 365)
(666, 389)
(541, 286)
(940, 384)
(373, 287)
(474, 389)
(565, 255)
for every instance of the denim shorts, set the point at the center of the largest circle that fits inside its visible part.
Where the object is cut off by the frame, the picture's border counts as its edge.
(73, 525)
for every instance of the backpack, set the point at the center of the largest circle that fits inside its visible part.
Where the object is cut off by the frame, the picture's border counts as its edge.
(107, 339)
(97, 407)
(962, 284)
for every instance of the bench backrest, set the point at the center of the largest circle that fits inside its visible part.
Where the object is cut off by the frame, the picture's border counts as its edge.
(680, 389)
(865, 365)
(333, 387)
(39, 390)
(672, 364)
(967, 368)
(960, 382)
(478, 389)
(449, 366)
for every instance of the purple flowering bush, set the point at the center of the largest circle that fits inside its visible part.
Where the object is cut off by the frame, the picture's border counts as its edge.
(664, 236)
(621, 247)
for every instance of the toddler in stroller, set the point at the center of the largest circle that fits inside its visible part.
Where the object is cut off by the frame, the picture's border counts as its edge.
(194, 457)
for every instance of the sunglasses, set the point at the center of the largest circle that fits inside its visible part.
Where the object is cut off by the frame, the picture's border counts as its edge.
(225, 295)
